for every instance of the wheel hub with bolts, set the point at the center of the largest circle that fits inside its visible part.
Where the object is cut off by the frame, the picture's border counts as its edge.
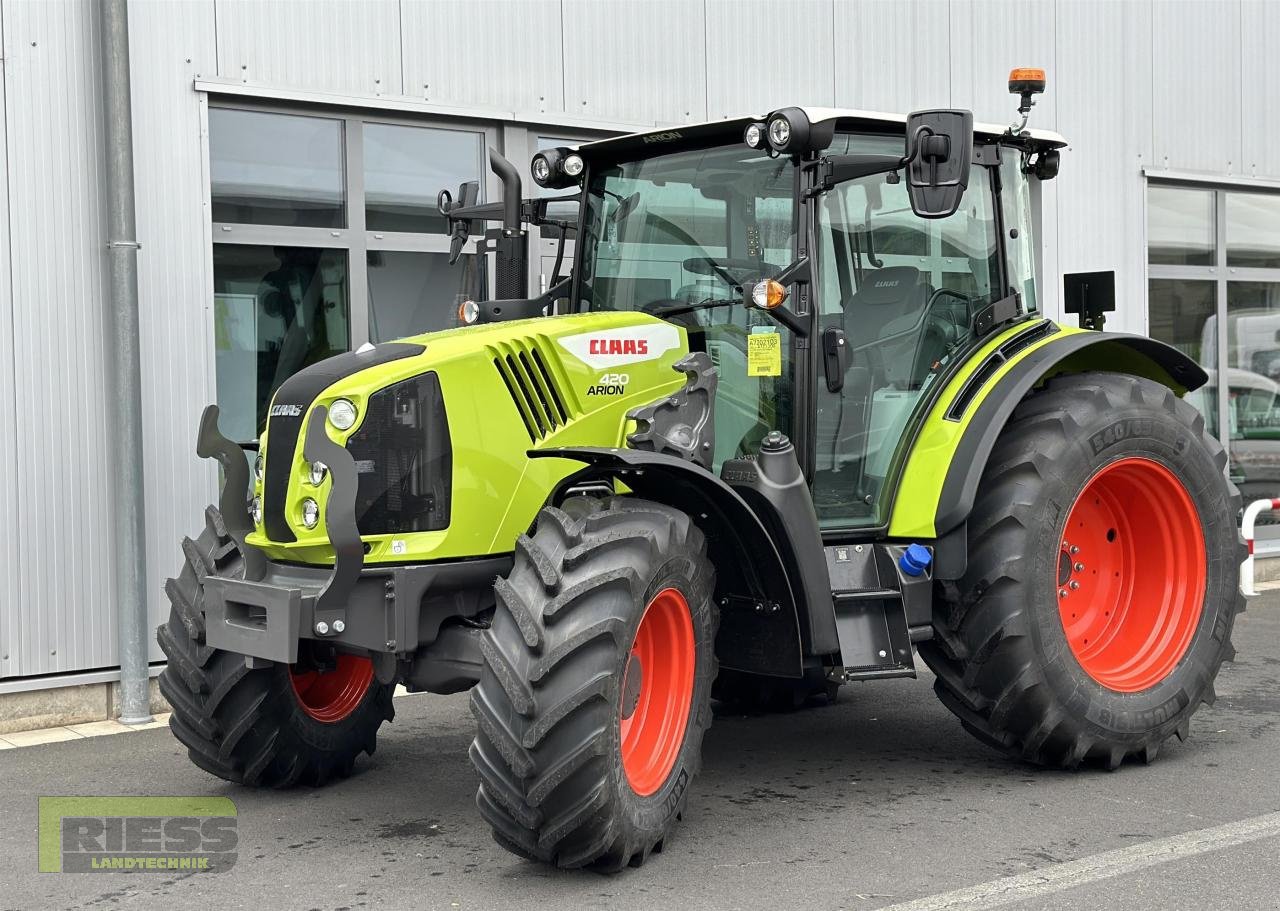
(1131, 574)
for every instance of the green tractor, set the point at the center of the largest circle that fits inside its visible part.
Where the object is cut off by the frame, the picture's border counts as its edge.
(792, 420)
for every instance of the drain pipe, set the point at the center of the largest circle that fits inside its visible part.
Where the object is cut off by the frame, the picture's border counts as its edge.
(124, 401)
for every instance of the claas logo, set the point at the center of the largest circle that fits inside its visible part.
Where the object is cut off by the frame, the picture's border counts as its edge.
(618, 346)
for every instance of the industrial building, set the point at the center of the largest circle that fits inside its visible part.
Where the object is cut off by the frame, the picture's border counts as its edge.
(288, 155)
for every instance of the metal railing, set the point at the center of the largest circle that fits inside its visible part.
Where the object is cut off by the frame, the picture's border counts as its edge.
(1251, 513)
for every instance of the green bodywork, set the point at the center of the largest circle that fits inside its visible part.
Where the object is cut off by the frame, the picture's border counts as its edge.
(497, 489)
(934, 447)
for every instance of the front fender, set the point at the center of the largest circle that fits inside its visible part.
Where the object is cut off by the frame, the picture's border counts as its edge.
(749, 567)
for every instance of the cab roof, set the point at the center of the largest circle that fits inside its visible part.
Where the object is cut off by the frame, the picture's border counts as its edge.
(872, 121)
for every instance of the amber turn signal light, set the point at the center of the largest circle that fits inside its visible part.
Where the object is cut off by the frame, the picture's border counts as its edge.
(768, 294)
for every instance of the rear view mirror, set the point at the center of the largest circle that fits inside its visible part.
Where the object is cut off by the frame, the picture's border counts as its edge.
(939, 150)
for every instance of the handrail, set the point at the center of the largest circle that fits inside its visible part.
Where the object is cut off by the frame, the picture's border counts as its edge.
(1251, 513)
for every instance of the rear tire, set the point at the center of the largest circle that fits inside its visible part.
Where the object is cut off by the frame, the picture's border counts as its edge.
(1054, 647)
(589, 727)
(259, 727)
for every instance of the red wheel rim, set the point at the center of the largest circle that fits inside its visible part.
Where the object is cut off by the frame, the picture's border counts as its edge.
(330, 696)
(657, 692)
(1131, 574)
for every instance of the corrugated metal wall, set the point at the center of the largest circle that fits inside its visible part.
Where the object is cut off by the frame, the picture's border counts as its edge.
(1146, 83)
(8, 442)
(61, 616)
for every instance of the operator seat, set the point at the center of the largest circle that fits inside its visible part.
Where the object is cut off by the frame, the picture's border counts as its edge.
(889, 301)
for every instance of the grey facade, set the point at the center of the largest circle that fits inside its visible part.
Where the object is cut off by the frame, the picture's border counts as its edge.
(1146, 92)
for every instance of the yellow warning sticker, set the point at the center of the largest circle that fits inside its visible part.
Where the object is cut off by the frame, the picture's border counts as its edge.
(764, 354)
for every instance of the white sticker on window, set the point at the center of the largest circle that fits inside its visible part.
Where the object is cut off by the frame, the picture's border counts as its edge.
(627, 345)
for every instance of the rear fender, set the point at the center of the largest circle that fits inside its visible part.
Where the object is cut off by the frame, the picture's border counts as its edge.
(978, 426)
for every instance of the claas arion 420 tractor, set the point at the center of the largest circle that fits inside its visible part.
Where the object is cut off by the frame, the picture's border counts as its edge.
(792, 419)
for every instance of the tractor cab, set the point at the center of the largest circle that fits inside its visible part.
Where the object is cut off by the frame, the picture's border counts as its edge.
(833, 264)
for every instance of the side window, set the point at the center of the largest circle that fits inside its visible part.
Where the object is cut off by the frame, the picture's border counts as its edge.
(1020, 236)
(904, 290)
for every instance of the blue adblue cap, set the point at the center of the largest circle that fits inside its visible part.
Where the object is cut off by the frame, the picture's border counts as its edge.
(915, 559)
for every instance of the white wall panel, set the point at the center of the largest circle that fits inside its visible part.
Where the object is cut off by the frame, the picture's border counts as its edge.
(639, 62)
(1259, 88)
(10, 543)
(991, 37)
(66, 615)
(496, 53)
(1102, 88)
(1197, 69)
(762, 55)
(333, 45)
(169, 45)
(892, 57)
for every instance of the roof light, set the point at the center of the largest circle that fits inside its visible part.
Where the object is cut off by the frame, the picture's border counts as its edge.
(574, 165)
(779, 132)
(540, 169)
(754, 136)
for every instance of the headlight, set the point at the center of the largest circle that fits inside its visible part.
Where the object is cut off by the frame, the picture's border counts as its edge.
(342, 414)
(255, 510)
(318, 472)
(468, 312)
(754, 136)
(259, 466)
(310, 513)
(573, 165)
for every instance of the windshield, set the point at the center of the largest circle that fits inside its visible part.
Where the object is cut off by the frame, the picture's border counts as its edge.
(685, 229)
(678, 236)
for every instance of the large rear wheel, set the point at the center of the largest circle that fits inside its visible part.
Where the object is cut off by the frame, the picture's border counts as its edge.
(596, 689)
(1101, 590)
(272, 726)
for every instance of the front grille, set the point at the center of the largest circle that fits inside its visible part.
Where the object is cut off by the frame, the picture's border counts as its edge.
(404, 459)
(533, 388)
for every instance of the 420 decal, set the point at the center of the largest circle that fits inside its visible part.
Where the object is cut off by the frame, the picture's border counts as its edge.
(610, 384)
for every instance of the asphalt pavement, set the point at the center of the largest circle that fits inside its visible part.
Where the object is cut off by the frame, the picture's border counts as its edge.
(879, 801)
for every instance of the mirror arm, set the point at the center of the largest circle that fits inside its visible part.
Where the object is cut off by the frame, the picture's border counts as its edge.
(790, 319)
(798, 271)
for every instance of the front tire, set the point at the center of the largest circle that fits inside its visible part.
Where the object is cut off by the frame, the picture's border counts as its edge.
(596, 689)
(271, 726)
(1100, 593)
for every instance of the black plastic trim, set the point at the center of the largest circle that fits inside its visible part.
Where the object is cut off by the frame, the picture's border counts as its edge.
(993, 362)
(746, 556)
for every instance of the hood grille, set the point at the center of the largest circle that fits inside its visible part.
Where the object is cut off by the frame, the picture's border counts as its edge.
(537, 393)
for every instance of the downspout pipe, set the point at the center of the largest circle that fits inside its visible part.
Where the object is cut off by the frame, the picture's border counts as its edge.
(124, 400)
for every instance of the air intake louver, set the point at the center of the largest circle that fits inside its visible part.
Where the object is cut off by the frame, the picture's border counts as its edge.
(527, 374)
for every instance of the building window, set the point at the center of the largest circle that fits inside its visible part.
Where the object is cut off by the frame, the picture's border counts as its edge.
(326, 236)
(1214, 294)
